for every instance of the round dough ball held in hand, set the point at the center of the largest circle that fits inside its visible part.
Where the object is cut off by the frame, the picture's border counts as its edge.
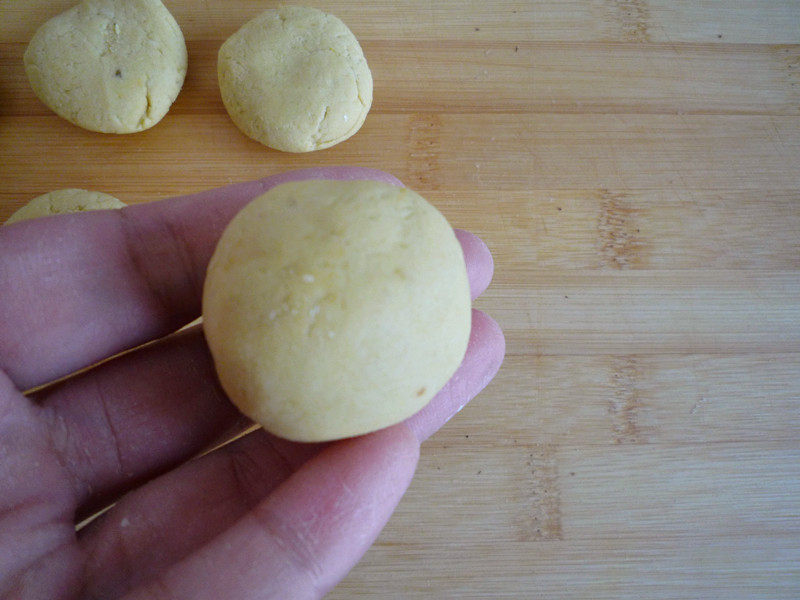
(64, 201)
(113, 66)
(336, 308)
(295, 79)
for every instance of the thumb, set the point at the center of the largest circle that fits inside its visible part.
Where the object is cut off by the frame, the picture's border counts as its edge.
(307, 535)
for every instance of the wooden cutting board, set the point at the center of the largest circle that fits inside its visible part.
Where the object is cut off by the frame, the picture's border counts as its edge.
(635, 168)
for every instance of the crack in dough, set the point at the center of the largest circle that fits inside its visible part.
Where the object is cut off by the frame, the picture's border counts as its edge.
(114, 66)
(295, 79)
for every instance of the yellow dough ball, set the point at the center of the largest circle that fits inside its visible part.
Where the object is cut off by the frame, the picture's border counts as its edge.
(295, 79)
(336, 308)
(64, 201)
(113, 66)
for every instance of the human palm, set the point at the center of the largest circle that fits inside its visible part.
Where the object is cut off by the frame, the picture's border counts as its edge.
(260, 517)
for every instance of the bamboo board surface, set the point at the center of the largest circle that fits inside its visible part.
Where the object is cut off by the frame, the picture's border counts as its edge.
(634, 167)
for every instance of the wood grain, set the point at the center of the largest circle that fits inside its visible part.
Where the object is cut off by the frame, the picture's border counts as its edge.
(489, 76)
(673, 21)
(605, 400)
(715, 21)
(633, 166)
(612, 152)
(644, 229)
(647, 311)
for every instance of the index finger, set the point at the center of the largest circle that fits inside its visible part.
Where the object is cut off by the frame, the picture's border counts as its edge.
(75, 289)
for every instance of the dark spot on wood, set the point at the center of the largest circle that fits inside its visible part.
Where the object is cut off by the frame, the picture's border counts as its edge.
(479, 472)
(558, 207)
(572, 473)
(618, 245)
(118, 73)
(792, 58)
(477, 29)
(467, 436)
(719, 36)
(542, 517)
(626, 400)
(633, 17)
(420, 391)
(516, 48)
(424, 136)
(567, 297)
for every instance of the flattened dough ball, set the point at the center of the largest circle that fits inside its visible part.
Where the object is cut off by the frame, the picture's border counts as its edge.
(295, 79)
(336, 308)
(113, 66)
(64, 201)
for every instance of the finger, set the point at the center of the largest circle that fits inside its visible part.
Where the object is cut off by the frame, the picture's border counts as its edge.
(479, 261)
(169, 517)
(142, 413)
(134, 417)
(485, 353)
(36, 505)
(75, 289)
(306, 536)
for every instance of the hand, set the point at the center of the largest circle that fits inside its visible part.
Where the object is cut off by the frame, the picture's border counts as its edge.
(259, 518)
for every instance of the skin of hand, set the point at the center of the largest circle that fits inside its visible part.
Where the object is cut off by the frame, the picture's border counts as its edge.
(260, 517)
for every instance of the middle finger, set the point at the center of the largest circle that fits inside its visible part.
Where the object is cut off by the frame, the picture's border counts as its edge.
(131, 418)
